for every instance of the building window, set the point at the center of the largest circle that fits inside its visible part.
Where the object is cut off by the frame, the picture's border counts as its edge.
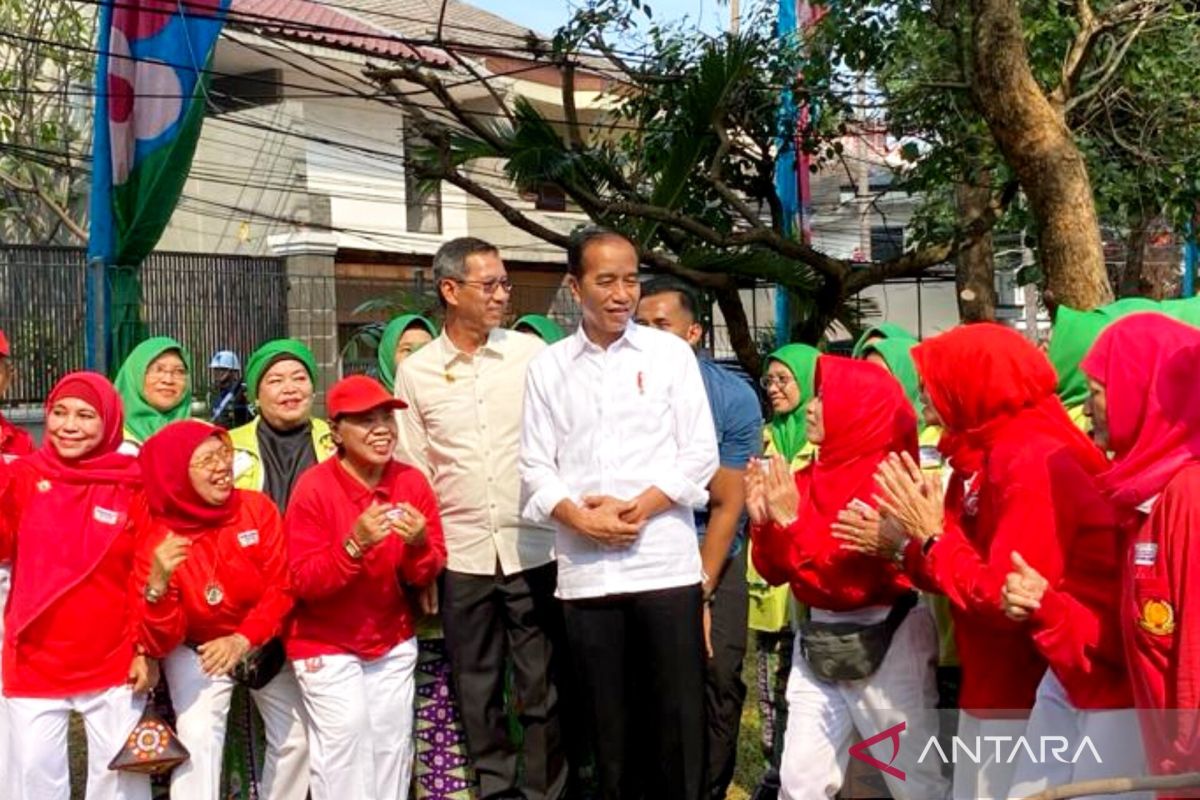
(887, 242)
(424, 208)
(240, 92)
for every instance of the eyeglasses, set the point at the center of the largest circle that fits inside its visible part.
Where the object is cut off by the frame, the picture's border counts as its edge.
(767, 381)
(219, 461)
(174, 373)
(490, 286)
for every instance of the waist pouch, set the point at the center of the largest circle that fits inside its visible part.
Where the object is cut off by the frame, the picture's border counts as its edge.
(259, 666)
(849, 651)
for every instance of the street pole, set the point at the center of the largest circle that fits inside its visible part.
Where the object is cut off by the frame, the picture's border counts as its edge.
(735, 16)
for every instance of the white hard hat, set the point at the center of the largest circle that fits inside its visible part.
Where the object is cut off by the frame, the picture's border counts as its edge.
(225, 359)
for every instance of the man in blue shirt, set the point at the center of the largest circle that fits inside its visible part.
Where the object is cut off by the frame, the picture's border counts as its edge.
(671, 305)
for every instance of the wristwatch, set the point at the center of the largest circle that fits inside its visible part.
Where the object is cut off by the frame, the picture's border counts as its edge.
(352, 548)
(151, 594)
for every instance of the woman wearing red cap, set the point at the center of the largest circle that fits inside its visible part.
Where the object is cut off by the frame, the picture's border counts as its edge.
(218, 592)
(1023, 490)
(361, 528)
(72, 514)
(858, 416)
(1142, 377)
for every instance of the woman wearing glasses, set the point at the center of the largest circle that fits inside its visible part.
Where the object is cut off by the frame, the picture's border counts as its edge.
(155, 387)
(788, 384)
(215, 599)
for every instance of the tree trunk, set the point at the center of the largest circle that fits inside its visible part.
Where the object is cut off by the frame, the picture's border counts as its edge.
(1036, 143)
(1151, 267)
(975, 269)
(738, 327)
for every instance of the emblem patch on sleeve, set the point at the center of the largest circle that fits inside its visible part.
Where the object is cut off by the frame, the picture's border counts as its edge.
(1158, 617)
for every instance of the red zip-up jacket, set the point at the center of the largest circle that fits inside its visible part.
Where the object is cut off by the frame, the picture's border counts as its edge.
(344, 605)
(14, 441)
(822, 573)
(245, 558)
(86, 639)
(1033, 497)
(1160, 617)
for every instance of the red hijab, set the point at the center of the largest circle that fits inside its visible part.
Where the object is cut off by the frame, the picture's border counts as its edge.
(79, 506)
(867, 416)
(1150, 367)
(165, 458)
(988, 382)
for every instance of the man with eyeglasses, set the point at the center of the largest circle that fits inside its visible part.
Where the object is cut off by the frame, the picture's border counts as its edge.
(465, 392)
(672, 306)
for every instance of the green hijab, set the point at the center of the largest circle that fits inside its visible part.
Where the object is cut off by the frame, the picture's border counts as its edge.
(143, 420)
(277, 350)
(1185, 309)
(898, 355)
(789, 431)
(387, 344)
(1075, 332)
(546, 329)
(884, 330)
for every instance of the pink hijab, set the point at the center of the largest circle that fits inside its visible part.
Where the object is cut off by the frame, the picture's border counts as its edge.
(1150, 367)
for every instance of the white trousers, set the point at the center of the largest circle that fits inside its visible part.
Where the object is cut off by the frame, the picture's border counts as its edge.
(202, 713)
(40, 770)
(824, 716)
(991, 776)
(1114, 734)
(360, 718)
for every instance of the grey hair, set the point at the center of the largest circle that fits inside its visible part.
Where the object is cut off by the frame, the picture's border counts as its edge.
(450, 261)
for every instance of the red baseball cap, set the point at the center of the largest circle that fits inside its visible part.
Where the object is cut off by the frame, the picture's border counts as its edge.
(4, 351)
(357, 394)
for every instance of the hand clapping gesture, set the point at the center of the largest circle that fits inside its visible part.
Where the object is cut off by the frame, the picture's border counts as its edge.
(911, 497)
(771, 494)
(863, 530)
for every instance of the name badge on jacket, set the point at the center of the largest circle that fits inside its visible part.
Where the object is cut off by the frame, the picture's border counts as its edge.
(248, 538)
(105, 516)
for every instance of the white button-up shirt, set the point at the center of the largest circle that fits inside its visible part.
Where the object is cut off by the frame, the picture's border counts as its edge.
(615, 422)
(462, 428)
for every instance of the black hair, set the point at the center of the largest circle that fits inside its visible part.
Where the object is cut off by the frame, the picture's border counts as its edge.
(579, 242)
(688, 298)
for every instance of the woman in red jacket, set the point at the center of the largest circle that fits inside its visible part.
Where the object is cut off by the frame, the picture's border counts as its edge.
(361, 528)
(217, 592)
(860, 414)
(72, 514)
(1023, 487)
(1142, 376)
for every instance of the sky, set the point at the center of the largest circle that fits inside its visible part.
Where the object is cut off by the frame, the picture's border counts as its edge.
(544, 16)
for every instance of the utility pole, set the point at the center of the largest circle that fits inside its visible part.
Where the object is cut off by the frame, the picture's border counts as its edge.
(735, 16)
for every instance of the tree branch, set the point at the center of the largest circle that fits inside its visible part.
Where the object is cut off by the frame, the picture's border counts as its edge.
(918, 261)
(50, 203)
(1109, 68)
(570, 112)
(386, 78)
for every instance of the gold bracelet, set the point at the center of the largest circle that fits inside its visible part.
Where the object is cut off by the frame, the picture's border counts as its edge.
(352, 548)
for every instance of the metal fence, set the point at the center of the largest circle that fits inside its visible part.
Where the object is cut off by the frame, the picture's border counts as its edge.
(207, 303)
(212, 303)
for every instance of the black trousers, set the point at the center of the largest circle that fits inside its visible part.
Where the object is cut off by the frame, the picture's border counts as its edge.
(640, 661)
(492, 622)
(724, 689)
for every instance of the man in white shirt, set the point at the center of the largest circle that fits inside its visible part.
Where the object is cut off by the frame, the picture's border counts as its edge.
(465, 391)
(617, 448)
